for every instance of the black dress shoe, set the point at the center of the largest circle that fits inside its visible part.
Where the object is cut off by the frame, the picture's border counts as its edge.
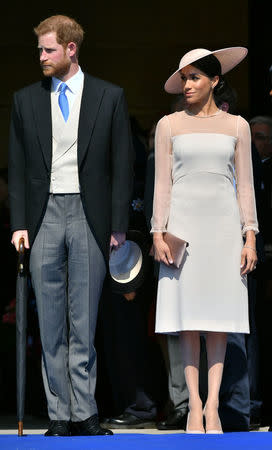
(255, 423)
(58, 428)
(127, 420)
(89, 427)
(175, 421)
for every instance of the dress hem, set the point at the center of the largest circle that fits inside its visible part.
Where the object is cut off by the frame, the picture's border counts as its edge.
(216, 330)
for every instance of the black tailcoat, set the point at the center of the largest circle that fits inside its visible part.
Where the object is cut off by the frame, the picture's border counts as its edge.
(105, 158)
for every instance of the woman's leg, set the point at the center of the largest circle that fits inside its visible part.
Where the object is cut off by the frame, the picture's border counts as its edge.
(190, 350)
(216, 348)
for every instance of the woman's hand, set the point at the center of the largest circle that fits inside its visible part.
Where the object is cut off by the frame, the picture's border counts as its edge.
(248, 260)
(249, 255)
(161, 250)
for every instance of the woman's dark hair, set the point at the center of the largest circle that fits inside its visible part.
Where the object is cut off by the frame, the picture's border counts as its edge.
(223, 93)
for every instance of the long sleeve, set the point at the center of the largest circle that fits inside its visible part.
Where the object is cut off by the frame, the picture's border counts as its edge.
(122, 165)
(149, 188)
(244, 178)
(16, 171)
(163, 178)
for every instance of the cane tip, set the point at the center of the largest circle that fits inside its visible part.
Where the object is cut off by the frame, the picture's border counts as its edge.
(20, 428)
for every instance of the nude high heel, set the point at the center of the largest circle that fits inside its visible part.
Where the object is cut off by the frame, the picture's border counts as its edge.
(192, 431)
(213, 431)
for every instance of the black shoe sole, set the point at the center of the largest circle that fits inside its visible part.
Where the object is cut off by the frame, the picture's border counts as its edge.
(82, 434)
(170, 427)
(57, 435)
(138, 426)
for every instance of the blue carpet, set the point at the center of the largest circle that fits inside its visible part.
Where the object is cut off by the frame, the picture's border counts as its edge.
(230, 441)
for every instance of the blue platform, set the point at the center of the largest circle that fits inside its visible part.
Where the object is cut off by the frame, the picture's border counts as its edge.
(228, 441)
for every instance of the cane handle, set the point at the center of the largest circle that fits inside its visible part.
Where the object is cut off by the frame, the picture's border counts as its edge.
(21, 245)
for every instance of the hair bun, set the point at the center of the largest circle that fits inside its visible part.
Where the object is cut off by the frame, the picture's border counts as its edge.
(220, 85)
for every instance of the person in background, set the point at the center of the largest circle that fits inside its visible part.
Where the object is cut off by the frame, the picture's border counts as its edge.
(177, 405)
(123, 326)
(261, 130)
(8, 268)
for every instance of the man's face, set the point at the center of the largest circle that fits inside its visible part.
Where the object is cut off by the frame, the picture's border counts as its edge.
(261, 136)
(54, 58)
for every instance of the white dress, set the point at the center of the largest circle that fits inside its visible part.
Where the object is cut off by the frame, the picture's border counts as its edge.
(196, 159)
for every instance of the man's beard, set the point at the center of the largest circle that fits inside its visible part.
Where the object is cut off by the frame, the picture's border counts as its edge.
(57, 70)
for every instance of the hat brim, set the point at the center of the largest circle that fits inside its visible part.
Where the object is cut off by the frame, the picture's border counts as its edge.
(134, 283)
(129, 275)
(228, 58)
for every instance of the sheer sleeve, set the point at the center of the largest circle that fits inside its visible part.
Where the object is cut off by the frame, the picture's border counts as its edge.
(244, 178)
(163, 177)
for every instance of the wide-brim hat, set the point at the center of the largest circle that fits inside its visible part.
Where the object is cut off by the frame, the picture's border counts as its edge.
(129, 264)
(228, 58)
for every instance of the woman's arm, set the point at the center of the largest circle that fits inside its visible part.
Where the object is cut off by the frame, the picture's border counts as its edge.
(162, 189)
(246, 195)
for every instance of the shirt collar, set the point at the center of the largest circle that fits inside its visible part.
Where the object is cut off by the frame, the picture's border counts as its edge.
(74, 83)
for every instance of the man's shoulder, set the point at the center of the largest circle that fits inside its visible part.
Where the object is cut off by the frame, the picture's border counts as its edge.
(34, 87)
(102, 84)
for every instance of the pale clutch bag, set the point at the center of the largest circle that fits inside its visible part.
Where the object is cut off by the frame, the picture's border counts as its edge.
(176, 246)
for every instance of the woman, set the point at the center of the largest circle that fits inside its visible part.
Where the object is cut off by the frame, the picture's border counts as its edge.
(198, 152)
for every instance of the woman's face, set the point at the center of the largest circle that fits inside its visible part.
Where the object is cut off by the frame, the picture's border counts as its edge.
(197, 87)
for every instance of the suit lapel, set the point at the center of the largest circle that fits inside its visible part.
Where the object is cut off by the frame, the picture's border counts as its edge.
(91, 98)
(42, 113)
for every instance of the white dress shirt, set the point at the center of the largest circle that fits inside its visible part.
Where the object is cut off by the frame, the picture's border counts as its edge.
(74, 86)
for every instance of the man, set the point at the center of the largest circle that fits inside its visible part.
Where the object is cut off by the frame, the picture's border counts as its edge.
(124, 311)
(261, 129)
(259, 281)
(70, 169)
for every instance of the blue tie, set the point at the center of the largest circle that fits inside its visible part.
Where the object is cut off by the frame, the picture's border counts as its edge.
(63, 101)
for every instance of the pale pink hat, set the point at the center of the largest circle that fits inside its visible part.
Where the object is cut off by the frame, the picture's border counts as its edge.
(228, 58)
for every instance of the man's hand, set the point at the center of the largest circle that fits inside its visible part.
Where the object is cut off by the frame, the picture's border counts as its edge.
(117, 240)
(130, 296)
(17, 235)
